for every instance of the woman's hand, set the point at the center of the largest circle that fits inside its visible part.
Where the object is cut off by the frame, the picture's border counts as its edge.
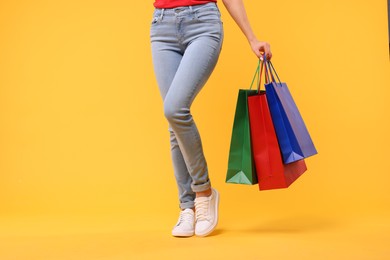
(261, 48)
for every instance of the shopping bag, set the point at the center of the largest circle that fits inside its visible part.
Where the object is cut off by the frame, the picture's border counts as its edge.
(294, 138)
(241, 167)
(271, 172)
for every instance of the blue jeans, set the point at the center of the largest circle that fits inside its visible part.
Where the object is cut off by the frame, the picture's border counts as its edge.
(186, 43)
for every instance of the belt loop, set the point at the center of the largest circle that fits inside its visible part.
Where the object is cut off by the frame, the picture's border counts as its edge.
(162, 14)
(193, 13)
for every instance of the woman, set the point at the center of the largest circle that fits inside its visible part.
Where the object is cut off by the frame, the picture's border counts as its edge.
(186, 40)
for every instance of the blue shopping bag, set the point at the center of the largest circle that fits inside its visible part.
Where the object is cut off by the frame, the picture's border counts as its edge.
(294, 138)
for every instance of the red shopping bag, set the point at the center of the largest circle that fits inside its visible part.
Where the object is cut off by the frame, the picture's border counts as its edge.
(272, 173)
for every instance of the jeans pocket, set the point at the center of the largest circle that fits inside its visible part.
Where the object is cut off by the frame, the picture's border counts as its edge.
(209, 16)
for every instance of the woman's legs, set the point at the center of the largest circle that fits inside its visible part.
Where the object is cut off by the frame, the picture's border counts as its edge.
(184, 55)
(194, 69)
(166, 62)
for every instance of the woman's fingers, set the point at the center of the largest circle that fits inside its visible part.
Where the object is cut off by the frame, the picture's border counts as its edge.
(261, 48)
(267, 50)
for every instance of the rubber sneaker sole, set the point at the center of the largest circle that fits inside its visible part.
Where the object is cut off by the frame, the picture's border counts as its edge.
(183, 234)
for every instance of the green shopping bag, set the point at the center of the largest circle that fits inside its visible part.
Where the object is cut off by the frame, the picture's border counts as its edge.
(241, 167)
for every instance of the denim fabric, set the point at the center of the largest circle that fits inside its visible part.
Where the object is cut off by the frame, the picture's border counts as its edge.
(186, 43)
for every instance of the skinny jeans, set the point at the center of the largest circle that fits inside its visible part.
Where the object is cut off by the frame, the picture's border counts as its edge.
(186, 43)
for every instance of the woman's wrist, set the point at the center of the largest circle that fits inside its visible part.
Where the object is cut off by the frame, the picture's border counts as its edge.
(252, 40)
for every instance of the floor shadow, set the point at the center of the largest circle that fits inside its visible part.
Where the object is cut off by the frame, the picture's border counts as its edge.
(216, 232)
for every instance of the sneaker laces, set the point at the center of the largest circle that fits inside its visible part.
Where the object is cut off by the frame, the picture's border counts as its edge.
(201, 206)
(185, 216)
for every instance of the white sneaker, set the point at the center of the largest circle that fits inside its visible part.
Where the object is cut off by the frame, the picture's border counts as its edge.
(206, 209)
(185, 225)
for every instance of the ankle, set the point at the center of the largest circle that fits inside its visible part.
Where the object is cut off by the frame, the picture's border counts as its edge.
(193, 209)
(205, 193)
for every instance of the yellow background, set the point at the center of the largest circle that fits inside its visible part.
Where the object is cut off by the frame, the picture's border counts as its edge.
(85, 170)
